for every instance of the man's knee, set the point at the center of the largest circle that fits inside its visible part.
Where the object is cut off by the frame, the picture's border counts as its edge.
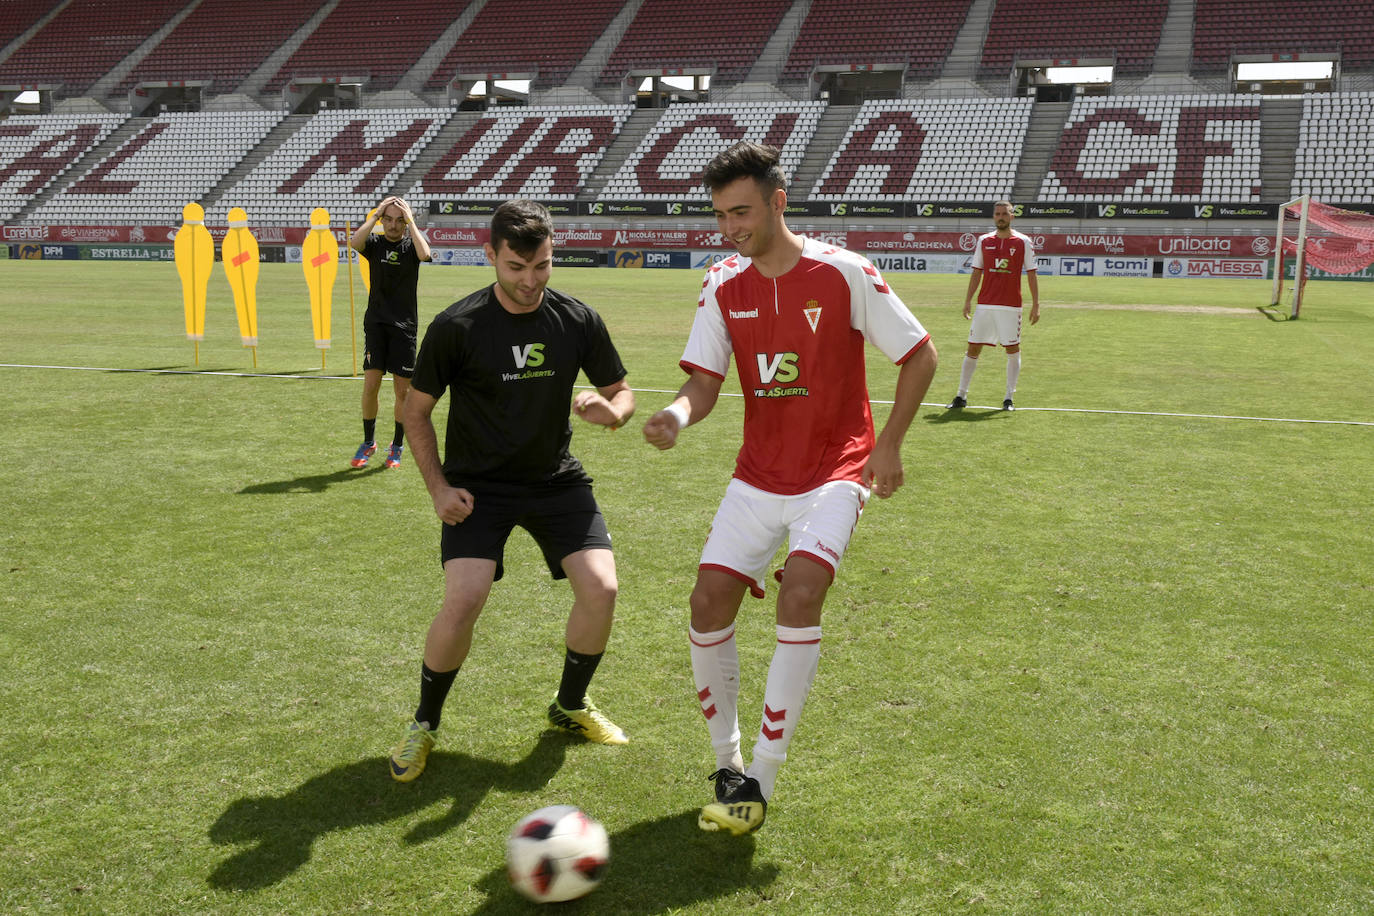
(593, 578)
(805, 583)
(715, 601)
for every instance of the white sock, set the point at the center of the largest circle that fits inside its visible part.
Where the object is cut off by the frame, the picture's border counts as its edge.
(715, 669)
(1013, 370)
(795, 659)
(966, 374)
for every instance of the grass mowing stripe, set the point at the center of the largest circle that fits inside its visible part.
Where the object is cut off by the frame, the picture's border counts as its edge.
(731, 394)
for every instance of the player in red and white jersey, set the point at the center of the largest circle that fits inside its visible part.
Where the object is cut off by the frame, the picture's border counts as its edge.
(998, 262)
(794, 314)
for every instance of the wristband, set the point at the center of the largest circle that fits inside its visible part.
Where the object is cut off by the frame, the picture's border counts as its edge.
(677, 411)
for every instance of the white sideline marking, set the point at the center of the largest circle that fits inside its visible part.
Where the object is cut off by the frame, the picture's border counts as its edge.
(728, 394)
(343, 378)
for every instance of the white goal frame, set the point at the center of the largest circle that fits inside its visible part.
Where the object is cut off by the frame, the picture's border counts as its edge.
(1303, 204)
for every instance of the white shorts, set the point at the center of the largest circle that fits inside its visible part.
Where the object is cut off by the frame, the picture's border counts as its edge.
(750, 525)
(996, 325)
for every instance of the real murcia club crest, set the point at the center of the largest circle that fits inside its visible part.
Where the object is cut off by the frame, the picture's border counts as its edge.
(813, 313)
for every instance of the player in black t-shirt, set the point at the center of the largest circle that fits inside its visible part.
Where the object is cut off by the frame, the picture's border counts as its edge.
(390, 323)
(509, 357)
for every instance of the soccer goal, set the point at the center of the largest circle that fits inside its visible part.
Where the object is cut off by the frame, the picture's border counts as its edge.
(1340, 242)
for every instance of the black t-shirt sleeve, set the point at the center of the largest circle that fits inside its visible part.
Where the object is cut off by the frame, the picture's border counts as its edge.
(602, 363)
(440, 357)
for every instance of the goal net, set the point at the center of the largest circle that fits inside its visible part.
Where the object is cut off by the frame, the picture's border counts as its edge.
(1322, 236)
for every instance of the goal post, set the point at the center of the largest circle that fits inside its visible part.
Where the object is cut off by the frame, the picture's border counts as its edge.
(1303, 206)
(1333, 240)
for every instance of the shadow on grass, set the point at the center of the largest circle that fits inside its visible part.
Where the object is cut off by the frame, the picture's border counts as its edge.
(283, 828)
(965, 415)
(657, 866)
(316, 483)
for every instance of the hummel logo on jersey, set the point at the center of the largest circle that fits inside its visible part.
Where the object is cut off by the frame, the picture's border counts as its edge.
(878, 283)
(529, 355)
(752, 313)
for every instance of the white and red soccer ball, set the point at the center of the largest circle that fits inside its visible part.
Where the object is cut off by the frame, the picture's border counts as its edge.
(557, 853)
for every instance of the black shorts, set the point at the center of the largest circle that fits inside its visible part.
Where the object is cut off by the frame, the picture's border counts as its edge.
(562, 521)
(389, 348)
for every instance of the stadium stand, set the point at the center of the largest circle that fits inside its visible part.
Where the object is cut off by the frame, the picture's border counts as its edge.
(916, 32)
(1335, 154)
(1225, 27)
(1203, 146)
(928, 150)
(18, 16)
(36, 150)
(667, 164)
(546, 153)
(1060, 29)
(376, 40)
(501, 39)
(173, 160)
(346, 161)
(85, 41)
(222, 41)
(1166, 148)
(722, 34)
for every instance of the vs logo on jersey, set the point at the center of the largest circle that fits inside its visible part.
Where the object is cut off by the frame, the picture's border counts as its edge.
(531, 355)
(777, 367)
(781, 370)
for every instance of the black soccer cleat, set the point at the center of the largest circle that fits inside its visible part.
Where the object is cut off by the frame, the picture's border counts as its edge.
(957, 404)
(1008, 405)
(739, 807)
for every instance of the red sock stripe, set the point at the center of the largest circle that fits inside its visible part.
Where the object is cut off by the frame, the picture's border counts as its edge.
(707, 645)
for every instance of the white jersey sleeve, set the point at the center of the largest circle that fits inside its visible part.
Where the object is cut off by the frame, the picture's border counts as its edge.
(1028, 264)
(708, 345)
(876, 311)
(977, 261)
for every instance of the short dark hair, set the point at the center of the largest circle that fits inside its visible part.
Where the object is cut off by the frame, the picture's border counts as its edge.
(522, 224)
(746, 160)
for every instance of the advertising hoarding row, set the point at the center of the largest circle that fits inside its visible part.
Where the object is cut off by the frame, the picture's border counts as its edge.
(1100, 254)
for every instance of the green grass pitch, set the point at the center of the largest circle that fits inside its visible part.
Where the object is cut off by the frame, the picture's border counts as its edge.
(1107, 654)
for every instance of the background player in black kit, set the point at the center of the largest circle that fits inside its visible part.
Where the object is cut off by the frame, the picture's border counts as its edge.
(509, 356)
(390, 323)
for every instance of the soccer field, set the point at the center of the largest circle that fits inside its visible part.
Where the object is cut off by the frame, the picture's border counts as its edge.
(1106, 654)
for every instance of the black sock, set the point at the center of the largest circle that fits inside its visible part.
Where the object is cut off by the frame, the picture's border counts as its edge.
(434, 686)
(400, 436)
(577, 674)
(370, 430)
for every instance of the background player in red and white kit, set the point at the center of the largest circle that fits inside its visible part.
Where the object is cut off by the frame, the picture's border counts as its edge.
(998, 260)
(794, 314)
